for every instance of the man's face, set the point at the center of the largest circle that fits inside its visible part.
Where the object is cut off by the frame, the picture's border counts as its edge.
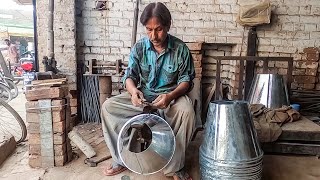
(8, 43)
(156, 32)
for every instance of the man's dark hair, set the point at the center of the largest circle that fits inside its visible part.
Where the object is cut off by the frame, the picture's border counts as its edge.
(157, 10)
(7, 40)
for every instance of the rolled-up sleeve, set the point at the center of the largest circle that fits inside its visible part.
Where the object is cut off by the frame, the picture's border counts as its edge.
(186, 66)
(132, 70)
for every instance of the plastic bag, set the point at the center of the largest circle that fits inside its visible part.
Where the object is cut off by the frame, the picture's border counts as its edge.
(252, 15)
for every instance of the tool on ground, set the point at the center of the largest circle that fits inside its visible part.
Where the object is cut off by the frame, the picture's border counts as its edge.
(93, 162)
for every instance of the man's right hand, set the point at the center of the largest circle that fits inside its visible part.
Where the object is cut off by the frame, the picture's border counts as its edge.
(137, 97)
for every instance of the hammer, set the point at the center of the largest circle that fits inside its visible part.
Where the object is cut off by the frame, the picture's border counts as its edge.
(91, 162)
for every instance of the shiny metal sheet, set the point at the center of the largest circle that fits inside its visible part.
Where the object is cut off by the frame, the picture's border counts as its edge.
(230, 149)
(160, 151)
(269, 90)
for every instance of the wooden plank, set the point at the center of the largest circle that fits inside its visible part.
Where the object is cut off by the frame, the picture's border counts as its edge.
(46, 134)
(302, 130)
(58, 81)
(49, 93)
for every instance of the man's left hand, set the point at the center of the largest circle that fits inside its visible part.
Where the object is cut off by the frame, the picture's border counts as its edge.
(162, 101)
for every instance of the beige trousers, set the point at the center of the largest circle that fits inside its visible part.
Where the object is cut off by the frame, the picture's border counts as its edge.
(180, 115)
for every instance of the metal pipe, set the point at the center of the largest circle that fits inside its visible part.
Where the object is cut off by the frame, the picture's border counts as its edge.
(135, 24)
(251, 51)
(50, 42)
(35, 35)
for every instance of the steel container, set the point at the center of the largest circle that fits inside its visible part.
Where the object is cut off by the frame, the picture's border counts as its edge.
(269, 90)
(160, 144)
(230, 149)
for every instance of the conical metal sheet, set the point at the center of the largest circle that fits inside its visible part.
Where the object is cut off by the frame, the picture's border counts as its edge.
(230, 147)
(159, 152)
(269, 90)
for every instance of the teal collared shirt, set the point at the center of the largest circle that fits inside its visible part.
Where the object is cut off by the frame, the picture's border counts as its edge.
(155, 73)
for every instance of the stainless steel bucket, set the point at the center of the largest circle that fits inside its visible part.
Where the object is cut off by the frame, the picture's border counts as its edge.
(146, 144)
(269, 90)
(230, 149)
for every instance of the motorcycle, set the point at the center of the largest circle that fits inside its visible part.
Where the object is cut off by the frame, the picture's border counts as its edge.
(17, 69)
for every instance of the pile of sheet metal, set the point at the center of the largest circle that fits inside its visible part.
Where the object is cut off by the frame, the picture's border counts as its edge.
(308, 100)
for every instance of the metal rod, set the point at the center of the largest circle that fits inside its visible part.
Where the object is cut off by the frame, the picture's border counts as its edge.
(50, 42)
(135, 24)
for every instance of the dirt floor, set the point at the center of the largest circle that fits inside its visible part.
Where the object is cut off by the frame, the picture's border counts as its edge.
(276, 167)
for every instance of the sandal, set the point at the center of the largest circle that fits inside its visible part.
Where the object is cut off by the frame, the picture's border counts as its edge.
(181, 175)
(113, 169)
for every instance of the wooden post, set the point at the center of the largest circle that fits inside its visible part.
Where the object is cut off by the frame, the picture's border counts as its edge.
(105, 88)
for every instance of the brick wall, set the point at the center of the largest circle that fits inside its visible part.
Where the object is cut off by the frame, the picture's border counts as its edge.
(106, 35)
(64, 36)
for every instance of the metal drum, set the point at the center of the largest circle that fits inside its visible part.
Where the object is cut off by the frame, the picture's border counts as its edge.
(230, 149)
(269, 90)
(146, 144)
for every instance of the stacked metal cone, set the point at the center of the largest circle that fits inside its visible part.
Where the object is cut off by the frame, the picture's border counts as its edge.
(230, 149)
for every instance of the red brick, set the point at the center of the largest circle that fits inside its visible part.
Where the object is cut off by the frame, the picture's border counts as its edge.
(60, 150)
(60, 160)
(308, 86)
(304, 79)
(73, 110)
(294, 86)
(282, 71)
(197, 64)
(198, 70)
(311, 50)
(59, 127)
(197, 57)
(73, 102)
(33, 128)
(32, 117)
(313, 57)
(305, 64)
(34, 138)
(59, 138)
(299, 72)
(281, 64)
(58, 104)
(32, 107)
(311, 72)
(58, 116)
(318, 87)
(35, 149)
(35, 161)
(195, 46)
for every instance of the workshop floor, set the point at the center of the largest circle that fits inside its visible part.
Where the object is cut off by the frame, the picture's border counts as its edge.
(276, 167)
